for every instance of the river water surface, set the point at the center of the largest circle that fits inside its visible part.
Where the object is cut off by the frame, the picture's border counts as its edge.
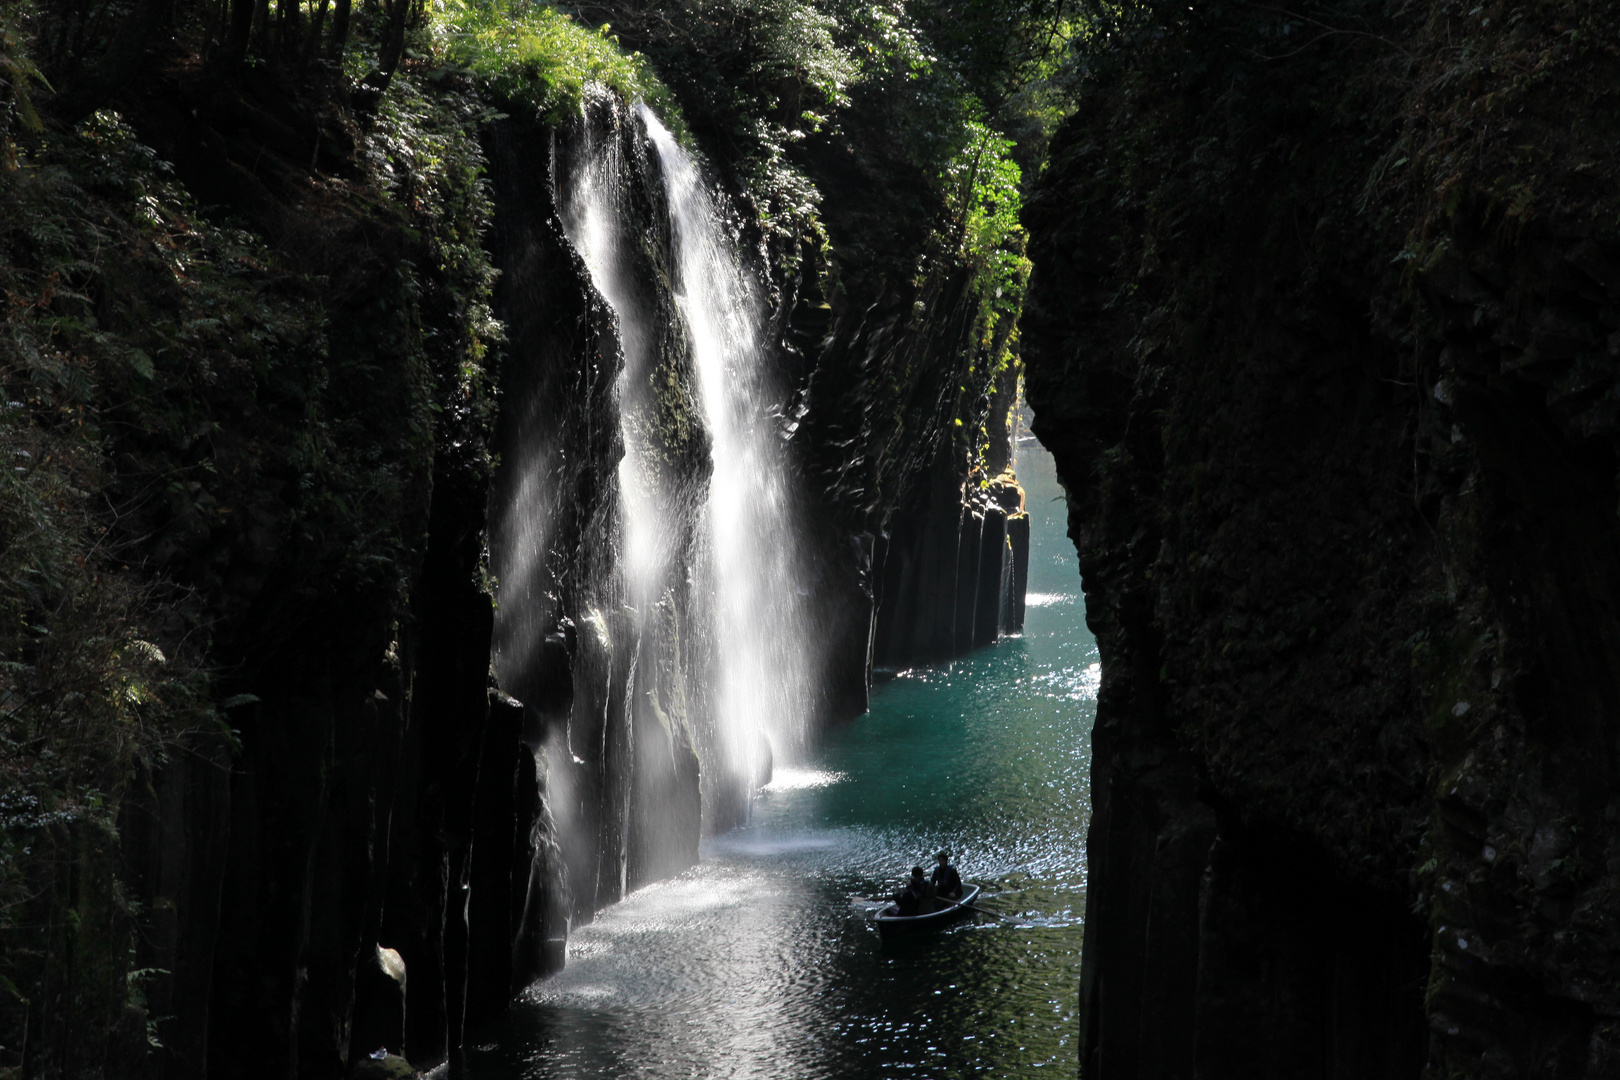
(761, 961)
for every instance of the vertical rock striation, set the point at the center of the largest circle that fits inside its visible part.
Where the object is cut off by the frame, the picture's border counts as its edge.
(1334, 415)
(951, 570)
(897, 390)
(307, 465)
(606, 690)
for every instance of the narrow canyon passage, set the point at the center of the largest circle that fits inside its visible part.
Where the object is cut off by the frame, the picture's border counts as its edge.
(758, 962)
(515, 535)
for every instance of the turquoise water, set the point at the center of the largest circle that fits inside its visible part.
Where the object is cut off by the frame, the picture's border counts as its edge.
(762, 962)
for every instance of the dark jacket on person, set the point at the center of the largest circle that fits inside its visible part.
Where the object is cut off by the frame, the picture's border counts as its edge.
(917, 898)
(947, 882)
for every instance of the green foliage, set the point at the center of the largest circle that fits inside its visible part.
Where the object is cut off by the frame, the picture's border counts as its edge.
(772, 60)
(97, 681)
(889, 43)
(917, 118)
(18, 76)
(435, 168)
(533, 54)
(983, 190)
(753, 79)
(1015, 56)
(186, 410)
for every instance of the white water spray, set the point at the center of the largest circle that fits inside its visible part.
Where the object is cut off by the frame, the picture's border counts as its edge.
(766, 654)
(595, 214)
(736, 537)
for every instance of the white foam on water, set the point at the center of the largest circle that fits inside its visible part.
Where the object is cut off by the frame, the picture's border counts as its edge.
(791, 779)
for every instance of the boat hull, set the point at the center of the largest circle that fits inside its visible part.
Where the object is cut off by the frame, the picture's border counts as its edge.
(892, 924)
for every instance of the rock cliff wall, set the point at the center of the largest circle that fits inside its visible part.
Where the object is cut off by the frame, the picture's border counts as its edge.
(291, 423)
(318, 528)
(609, 697)
(341, 399)
(1331, 406)
(903, 424)
(952, 569)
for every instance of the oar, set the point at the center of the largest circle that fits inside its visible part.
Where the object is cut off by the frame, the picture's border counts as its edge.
(982, 911)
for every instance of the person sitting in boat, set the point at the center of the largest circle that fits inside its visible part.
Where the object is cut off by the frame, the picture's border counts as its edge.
(917, 898)
(946, 881)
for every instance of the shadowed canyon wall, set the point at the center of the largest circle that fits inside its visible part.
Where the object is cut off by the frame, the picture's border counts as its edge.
(349, 324)
(1322, 337)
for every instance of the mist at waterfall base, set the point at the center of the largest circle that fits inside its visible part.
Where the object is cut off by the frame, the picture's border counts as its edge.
(651, 611)
(745, 574)
(759, 962)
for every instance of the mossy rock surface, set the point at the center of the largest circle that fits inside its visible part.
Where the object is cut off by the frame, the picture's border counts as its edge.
(391, 1067)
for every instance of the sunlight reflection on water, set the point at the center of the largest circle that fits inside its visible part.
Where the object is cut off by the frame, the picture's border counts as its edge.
(762, 960)
(787, 779)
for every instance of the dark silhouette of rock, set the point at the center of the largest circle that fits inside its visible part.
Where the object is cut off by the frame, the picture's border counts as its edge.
(1339, 449)
(387, 1067)
(949, 577)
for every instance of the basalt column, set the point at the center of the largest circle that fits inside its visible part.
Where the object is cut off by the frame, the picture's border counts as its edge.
(1338, 427)
(950, 576)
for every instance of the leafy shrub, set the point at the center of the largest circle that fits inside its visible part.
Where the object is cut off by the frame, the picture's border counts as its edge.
(100, 677)
(535, 55)
(984, 191)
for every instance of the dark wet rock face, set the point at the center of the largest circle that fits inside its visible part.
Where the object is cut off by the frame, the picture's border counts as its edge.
(605, 711)
(379, 463)
(1344, 495)
(373, 789)
(952, 570)
(378, 1021)
(354, 622)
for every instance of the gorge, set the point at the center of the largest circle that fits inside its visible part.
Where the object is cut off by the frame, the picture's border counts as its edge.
(513, 511)
(758, 960)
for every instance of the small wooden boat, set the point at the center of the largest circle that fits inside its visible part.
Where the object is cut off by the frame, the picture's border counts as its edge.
(892, 924)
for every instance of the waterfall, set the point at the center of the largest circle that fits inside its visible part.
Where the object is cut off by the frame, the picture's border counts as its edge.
(706, 596)
(766, 659)
(599, 217)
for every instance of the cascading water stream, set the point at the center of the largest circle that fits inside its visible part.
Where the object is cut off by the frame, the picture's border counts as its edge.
(595, 214)
(766, 654)
(708, 552)
(674, 631)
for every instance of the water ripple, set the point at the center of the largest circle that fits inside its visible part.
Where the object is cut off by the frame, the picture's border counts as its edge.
(762, 961)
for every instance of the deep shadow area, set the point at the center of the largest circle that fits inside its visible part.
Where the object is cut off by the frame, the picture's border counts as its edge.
(1302, 974)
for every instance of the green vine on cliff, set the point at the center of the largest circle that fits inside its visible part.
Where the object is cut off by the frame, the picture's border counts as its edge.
(983, 186)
